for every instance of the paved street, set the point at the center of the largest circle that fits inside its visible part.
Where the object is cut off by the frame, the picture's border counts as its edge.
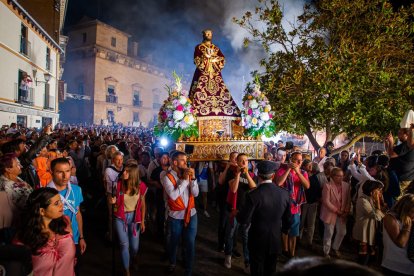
(98, 257)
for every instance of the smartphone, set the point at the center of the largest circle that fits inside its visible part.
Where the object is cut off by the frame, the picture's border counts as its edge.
(353, 155)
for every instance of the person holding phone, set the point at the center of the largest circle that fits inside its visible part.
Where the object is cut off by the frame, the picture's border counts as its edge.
(239, 186)
(295, 180)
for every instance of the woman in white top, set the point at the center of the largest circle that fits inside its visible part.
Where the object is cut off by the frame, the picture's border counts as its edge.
(368, 212)
(397, 228)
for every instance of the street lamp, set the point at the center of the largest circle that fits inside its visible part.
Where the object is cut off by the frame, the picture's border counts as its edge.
(46, 75)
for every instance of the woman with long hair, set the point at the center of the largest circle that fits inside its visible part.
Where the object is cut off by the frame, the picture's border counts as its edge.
(397, 228)
(47, 234)
(129, 213)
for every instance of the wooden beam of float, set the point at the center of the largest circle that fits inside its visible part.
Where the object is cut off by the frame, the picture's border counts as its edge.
(216, 149)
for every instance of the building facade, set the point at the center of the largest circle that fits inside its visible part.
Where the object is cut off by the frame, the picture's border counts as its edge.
(29, 69)
(106, 82)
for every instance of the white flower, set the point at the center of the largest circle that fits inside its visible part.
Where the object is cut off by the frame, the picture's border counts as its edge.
(253, 104)
(183, 100)
(267, 108)
(189, 119)
(178, 115)
(264, 116)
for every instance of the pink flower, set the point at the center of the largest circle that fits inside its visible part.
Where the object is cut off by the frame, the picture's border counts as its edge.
(270, 115)
(250, 111)
(180, 108)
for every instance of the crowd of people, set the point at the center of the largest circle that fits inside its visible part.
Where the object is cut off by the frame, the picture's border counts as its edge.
(268, 206)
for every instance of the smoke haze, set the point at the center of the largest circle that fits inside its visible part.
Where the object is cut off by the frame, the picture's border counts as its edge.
(168, 30)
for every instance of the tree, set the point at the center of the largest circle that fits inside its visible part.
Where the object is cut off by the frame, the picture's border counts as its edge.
(343, 67)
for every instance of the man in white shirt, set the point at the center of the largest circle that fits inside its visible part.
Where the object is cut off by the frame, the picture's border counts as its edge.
(180, 186)
(111, 179)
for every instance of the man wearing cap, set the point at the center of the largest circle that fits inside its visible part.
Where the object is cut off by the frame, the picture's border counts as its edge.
(267, 208)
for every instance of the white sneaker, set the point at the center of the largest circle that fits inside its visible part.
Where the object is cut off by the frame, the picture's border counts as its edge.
(206, 214)
(227, 261)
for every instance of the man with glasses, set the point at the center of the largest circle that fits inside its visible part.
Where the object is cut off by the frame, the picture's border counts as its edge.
(295, 180)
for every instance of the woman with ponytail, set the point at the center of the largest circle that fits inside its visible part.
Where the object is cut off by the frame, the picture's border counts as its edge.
(47, 234)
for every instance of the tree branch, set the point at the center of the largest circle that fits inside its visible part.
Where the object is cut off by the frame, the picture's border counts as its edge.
(353, 141)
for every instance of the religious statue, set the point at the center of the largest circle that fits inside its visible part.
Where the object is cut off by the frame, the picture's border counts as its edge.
(217, 115)
(210, 96)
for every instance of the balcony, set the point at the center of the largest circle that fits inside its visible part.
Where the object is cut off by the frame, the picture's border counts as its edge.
(49, 102)
(137, 103)
(111, 99)
(23, 96)
(25, 47)
(156, 105)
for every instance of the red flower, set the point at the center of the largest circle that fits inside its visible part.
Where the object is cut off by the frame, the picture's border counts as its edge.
(180, 108)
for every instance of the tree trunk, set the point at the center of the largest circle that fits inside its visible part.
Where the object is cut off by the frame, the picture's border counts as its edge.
(312, 139)
(328, 136)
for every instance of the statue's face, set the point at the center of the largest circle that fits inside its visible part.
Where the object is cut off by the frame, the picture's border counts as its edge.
(208, 35)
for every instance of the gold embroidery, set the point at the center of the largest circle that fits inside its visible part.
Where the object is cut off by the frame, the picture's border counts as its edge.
(209, 94)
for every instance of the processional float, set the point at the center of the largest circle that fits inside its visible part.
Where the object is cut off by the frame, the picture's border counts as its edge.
(207, 124)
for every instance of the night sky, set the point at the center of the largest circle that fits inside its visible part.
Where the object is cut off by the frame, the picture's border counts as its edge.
(168, 30)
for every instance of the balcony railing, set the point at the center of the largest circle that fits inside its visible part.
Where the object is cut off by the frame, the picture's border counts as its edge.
(156, 105)
(111, 99)
(25, 47)
(49, 102)
(137, 103)
(23, 96)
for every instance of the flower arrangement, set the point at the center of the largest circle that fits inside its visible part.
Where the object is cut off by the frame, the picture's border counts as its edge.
(256, 114)
(176, 116)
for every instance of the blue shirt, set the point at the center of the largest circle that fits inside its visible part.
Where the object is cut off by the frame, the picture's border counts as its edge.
(75, 198)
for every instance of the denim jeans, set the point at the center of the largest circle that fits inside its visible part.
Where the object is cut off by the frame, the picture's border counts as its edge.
(177, 230)
(128, 243)
(231, 228)
(245, 234)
